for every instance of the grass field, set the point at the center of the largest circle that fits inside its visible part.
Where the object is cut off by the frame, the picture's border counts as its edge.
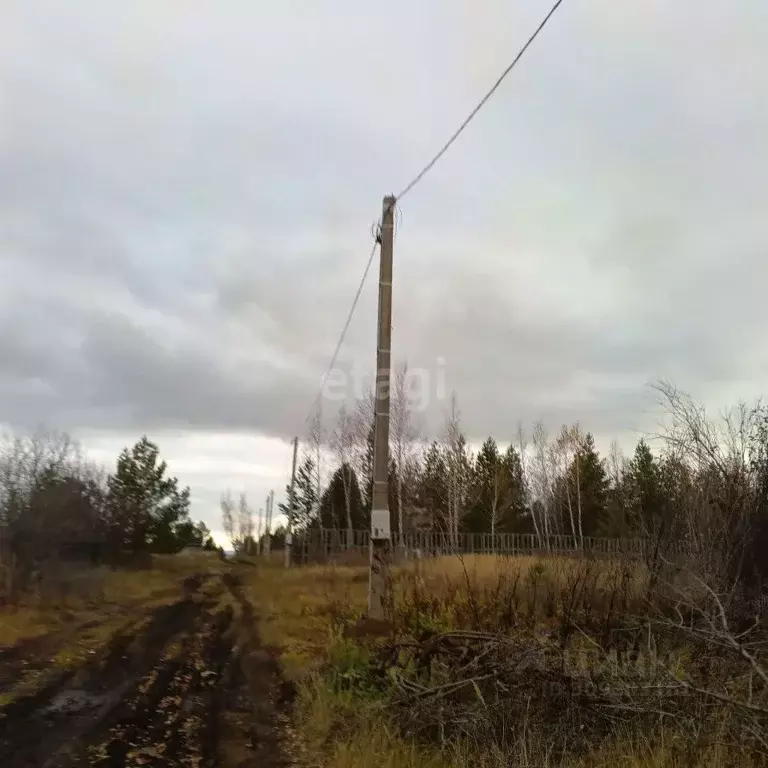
(487, 662)
(596, 695)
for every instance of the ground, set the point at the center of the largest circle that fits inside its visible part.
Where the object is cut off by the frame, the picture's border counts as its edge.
(175, 677)
(487, 662)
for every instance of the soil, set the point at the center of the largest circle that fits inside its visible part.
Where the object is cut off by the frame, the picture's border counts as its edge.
(190, 686)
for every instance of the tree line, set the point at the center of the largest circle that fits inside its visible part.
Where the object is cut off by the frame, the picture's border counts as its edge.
(54, 503)
(703, 486)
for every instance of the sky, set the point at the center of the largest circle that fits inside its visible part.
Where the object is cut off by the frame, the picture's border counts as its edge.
(187, 190)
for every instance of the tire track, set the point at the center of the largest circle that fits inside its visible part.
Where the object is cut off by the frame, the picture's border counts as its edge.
(191, 688)
(38, 730)
(255, 714)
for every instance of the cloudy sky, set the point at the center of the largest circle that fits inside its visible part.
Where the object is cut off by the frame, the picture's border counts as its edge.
(187, 189)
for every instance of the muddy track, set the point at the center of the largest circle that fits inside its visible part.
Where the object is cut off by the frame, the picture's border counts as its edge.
(167, 718)
(179, 690)
(257, 699)
(36, 728)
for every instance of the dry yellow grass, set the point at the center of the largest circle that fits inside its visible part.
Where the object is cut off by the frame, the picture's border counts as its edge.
(302, 610)
(484, 571)
(114, 594)
(69, 634)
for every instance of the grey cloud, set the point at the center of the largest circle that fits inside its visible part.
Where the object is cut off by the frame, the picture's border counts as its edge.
(185, 204)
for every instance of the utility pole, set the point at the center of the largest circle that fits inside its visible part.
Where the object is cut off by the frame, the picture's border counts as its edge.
(268, 524)
(379, 585)
(291, 497)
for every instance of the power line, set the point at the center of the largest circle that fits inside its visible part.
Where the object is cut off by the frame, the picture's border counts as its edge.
(428, 167)
(416, 179)
(346, 327)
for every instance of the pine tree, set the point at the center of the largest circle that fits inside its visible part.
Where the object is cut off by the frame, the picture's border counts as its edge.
(342, 488)
(489, 490)
(149, 506)
(644, 477)
(498, 490)
(588, 484)
(516, 515)
(433, 489)
(305, 513)
(366, 470)
(459, 463)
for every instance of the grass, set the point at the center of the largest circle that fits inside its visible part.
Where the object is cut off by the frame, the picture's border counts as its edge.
(348, 714)
(108, 597)
(62, 635)
(301, 610)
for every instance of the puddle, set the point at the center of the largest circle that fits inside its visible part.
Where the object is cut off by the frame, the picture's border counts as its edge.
(74, 701)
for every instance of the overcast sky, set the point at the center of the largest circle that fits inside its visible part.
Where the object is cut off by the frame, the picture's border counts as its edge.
(187, 190)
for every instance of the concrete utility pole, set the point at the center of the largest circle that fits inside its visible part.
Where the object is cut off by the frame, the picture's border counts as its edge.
(291, 497)
(379, 586)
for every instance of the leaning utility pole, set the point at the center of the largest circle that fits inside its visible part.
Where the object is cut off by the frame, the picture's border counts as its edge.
(379, 587)
(291, 497)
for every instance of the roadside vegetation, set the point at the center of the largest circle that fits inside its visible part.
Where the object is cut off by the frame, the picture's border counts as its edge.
(657, 660)
(118, 627)
(492, 661)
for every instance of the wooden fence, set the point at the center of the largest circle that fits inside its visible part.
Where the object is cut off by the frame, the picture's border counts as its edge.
(317, 546)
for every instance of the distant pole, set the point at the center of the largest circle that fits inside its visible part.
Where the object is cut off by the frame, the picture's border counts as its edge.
(265, 548)
(379, 586)
(291, 497)
(268, 525)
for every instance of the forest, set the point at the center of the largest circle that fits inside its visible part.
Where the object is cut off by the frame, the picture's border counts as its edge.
(702, 485)
(56, 505)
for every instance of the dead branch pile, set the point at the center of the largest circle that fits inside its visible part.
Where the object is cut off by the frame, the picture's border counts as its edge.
(489, 689)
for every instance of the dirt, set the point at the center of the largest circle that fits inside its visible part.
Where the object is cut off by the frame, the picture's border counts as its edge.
(190, 686)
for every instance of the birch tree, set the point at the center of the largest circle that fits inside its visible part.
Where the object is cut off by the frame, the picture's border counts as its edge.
(342, 444)
(362, 438)
(566, 453)
(228, 520)
(459, 465)
(245, 525)
(542, 479)
(491, 484)
(402, 434)
(528, 484)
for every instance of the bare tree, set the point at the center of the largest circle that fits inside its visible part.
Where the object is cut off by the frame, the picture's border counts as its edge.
(566, 456)
(458, 463)
(231, 530)
(616, 463)
(544, 468)
(245, 525)
(342, 444)
(721, 503)
(361, 440)
(500, 486)
(402, 435)
(52, 499)
(528, 481)
(315, 440)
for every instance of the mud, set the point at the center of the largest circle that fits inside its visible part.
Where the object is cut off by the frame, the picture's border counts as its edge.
(189, 687)
(34, 654)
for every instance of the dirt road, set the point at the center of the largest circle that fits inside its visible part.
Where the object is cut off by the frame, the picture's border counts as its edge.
(186, 686)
